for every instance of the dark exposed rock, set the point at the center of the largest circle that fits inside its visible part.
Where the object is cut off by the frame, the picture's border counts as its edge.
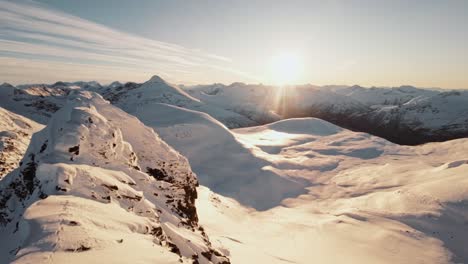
(44, 146)
(73, 223)
(60, 189)
(159, 175)
(173, 248)
(136, 198)
(78, 249)
(207, 254)
(195, 259)
(29, 175)
(75, 150)
(111, 187)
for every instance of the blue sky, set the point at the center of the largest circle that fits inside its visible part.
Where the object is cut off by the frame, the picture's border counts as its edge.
(381, 43)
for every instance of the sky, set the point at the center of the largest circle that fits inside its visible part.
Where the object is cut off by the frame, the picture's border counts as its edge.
(364, 42)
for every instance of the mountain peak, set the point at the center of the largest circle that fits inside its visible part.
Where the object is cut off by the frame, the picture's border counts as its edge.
(156, 79)
(5, 84)
(115, 84)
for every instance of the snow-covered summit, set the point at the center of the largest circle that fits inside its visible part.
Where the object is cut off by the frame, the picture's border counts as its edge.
(95, 181)
(156, 79)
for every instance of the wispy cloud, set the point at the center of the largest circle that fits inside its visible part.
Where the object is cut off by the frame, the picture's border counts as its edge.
(48, 38)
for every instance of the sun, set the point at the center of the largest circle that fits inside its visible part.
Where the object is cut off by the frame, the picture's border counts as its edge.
(286, 68)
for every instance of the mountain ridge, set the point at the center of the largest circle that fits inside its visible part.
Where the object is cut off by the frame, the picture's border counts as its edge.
(127, 178)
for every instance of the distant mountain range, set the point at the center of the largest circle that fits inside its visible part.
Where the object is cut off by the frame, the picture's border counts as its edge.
(404, 115)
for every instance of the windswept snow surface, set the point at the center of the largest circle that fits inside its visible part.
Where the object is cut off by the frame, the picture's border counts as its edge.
(97, 186)
(368, 200)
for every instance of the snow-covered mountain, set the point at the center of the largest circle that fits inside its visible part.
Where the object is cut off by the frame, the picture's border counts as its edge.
(15, 134)
(405, 115)
(96, 185)
(37, 102)
(132, 96)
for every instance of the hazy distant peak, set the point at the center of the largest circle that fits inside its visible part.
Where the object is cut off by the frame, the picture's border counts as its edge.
(156, 79)
(5, 84)
(59, 83)
(115, 84)
(356, 87)
(234, 84)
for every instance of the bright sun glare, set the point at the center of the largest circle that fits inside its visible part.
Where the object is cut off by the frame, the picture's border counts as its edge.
(285, 69)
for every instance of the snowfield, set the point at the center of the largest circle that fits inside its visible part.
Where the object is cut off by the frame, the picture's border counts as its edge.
(367, 201)
(151, 173)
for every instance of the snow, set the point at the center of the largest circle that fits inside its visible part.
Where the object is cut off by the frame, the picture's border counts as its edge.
(95, 178)
(418, 115)
(15, 134)
(406, 115)
(219, 159)
(403, 204)
(118, 185)
(156, 91)
(57, 228)
(35, 102)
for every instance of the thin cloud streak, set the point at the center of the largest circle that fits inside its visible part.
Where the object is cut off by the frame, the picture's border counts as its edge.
(32, 30)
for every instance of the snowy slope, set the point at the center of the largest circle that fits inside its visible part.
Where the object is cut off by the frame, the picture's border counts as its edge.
(368, 201)
(96, 186)
(15, 134)
(219, 159)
